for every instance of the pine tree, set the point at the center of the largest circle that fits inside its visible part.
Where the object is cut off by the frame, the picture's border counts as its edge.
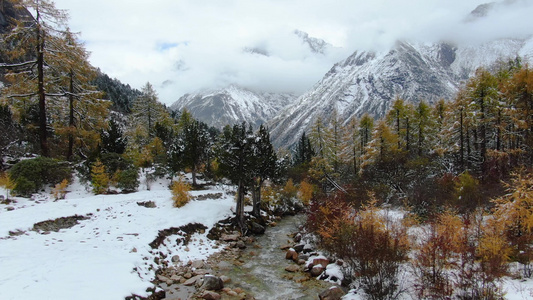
(264, 161)
(195, 145)
(236, 162)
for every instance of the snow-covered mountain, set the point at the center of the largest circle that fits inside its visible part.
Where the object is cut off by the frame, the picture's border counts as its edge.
(368, 82)
(233, 104)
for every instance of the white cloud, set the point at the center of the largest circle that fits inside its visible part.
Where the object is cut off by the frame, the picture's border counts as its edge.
(184, 45)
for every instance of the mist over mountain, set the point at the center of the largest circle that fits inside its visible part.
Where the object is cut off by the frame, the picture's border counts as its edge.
(233, 105)
(368, 82)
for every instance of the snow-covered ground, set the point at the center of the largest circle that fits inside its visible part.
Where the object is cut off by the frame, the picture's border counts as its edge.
(101, 257)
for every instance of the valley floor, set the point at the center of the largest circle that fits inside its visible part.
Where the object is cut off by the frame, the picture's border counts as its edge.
(107, 255)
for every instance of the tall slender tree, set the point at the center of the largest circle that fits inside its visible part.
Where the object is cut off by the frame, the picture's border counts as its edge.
(32, 76)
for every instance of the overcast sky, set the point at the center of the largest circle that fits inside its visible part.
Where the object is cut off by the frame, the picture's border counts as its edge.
(184, 45)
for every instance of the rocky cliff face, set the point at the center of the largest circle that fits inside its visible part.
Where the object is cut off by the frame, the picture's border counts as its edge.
(368, 82)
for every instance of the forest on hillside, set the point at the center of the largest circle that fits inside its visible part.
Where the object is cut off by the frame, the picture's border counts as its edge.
(460, 166)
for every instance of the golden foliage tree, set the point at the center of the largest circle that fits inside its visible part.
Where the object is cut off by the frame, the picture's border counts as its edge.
(99, 178)
(180, 192)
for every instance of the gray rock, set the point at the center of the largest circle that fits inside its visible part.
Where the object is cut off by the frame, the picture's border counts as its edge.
(212, 283)
(230, 237)
(198, 264)
(175, 259)
(192, 281)
(299, 248)
(241, 245)
(256, 228)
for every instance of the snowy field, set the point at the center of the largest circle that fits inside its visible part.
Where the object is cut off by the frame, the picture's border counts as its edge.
(101, 257)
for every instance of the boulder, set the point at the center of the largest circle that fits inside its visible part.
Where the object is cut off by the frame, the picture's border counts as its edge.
(212, 283)
(324, 262)
(333, 293)
(316, 270)
(255, 228)
(291, 254)
(299, 248)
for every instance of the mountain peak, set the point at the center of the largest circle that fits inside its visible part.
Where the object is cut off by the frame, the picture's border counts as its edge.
(233, 104)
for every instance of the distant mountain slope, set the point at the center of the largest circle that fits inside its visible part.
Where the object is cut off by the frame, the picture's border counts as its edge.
(232, 105)
(368, 82)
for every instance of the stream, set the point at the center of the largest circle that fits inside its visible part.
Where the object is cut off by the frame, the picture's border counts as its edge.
(262, 273)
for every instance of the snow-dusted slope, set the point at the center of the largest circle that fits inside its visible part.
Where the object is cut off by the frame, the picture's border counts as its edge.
(368, 82)
(232, 105)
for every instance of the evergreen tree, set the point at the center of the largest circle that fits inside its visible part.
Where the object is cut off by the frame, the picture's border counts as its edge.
(264, 162)
(196, 140)
(304, 151)
(236, 162)
(113, 140)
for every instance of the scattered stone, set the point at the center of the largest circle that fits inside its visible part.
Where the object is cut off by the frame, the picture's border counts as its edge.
(198, 264)
(147, 204)
(200, 272)
(333, 293)
(187, 231)
(241, 245)
(16, 232)
(225, 279)
(212, 283)
(301, 261)
(10, 208)
(176, 278)
(59, 223)
(175, 259)
(208, 295)
(292, 268)
(187, 275)
(209, 196)
(230, 237)
(285, 247)
(316, 270)
(134, 250)
(191, 281)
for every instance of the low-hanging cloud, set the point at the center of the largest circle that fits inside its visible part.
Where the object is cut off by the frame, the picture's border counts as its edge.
(187, 45)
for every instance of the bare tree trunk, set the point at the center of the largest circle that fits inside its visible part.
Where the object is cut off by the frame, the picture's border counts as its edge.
(41, 92)
(71, 118)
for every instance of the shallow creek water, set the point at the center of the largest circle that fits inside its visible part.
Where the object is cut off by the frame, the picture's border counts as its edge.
(262, 273)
